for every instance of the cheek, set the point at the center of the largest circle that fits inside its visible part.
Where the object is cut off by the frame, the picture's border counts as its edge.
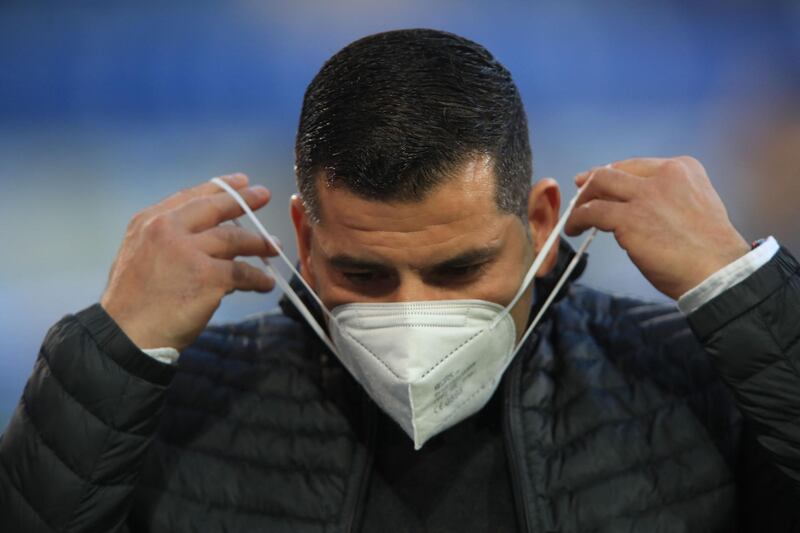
(521, 312)
(510, 271)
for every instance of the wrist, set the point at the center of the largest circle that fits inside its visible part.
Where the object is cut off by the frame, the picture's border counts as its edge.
(710, 264)
(139, 334)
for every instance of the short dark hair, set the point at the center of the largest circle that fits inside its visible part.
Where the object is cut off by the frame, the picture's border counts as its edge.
(393, 114)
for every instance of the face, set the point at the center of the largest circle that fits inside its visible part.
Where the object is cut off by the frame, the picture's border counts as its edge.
(454, 244)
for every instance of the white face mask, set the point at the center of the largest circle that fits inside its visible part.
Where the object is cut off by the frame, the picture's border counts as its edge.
(431, 364)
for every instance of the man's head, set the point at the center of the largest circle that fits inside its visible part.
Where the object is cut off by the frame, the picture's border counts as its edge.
(414, 168)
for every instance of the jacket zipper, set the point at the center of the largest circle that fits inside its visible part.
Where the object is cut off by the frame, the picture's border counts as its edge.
(353, 521)
(511, 392)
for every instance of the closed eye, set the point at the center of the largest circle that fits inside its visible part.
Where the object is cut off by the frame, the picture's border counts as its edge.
(455, 274)
(360, 276)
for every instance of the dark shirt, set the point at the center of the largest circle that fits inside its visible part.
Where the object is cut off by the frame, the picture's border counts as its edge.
(458, 481)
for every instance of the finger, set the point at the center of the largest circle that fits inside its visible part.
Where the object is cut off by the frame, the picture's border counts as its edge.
(236, 180)
(581, 178)
(211, 210)
(640, 166)
(227, 242)
(610, 184)
(605, 215)
(242, 276)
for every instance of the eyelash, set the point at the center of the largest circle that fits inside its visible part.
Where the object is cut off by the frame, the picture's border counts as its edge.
(464, 271)
(361, 277)
(372, 277)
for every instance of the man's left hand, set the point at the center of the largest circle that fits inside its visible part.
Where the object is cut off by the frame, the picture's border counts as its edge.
(665, 213)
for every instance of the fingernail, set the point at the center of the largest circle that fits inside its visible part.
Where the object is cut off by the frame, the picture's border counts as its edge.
(260, 191)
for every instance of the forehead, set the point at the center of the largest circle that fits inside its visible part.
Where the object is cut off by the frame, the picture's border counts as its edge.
(459, 213)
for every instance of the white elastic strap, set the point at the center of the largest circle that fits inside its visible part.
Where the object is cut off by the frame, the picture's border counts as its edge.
(542, 255)
(279, 279)
(564, 277)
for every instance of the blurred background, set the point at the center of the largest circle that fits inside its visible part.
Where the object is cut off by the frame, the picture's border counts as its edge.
(106, 107)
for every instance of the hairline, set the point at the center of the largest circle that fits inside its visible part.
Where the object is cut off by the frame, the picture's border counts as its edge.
(319, 177)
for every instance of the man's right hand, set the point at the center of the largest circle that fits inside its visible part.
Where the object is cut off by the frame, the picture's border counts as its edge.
(177, 262)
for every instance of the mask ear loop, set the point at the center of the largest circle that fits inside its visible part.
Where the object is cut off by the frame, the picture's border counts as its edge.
(279, 279)
(542, 255)
(552, 296)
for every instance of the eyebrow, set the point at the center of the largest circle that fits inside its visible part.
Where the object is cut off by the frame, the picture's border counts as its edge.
(468, 257)
(346, 261)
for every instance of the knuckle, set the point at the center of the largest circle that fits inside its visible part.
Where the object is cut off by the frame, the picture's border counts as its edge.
(599, 178)
(176, 196)
(621, 235)
(179, 197)
(158, 226)
(591, 182)
(692, 164)
(138, 219)
(673, 166)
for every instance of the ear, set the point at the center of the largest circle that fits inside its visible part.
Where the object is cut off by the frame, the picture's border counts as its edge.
(303, 229)
(544, 202)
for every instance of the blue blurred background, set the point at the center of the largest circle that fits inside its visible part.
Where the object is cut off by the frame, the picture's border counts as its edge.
(106, 107)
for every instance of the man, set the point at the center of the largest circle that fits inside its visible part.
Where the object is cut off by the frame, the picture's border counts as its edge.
(414, 169)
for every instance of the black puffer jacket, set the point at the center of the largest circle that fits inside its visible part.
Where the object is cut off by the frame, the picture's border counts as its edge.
(616, 419)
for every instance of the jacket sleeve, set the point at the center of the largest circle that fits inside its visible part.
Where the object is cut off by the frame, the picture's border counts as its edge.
(70, 456)
(752, 334)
